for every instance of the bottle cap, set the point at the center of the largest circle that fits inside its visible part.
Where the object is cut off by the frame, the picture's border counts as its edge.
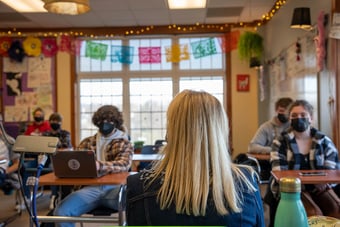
(290, 184)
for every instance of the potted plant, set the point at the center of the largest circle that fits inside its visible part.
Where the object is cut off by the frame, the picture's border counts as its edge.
(250, 48)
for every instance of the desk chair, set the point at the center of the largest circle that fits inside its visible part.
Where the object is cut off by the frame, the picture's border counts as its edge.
(148, 149)
(101, 212)
(160, 142)
(251, 161)
(97, 214)
(9, 190)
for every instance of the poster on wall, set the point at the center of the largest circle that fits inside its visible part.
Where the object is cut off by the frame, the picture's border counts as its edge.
(27, 85)
(242, 82)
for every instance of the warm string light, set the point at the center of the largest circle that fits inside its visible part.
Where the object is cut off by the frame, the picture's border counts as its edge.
(144, 30)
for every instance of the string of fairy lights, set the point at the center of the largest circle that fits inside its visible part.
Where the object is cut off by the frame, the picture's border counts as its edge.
(140, 30)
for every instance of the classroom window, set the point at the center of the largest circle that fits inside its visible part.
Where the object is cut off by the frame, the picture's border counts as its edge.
(140, 77)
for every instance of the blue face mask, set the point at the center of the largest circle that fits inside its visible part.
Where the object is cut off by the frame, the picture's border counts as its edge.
(299, 124)
(106, 128)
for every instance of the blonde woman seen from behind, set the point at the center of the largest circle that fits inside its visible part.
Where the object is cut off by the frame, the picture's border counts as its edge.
(195, 183)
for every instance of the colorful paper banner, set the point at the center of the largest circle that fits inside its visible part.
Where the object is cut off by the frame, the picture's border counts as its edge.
(203, 48)
(122, 54)
(149, 55)
(96, 50)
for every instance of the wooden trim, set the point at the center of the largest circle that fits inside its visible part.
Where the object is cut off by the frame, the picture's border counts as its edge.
(228, 99)
(335, 71)
(73, 97)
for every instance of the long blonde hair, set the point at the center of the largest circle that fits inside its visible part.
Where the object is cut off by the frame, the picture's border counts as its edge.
(196, 157)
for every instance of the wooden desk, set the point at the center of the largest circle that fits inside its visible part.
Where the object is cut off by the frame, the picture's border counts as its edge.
(260, 156)
(146, 157)
(113, 178)
(109, 179)
(332, 176)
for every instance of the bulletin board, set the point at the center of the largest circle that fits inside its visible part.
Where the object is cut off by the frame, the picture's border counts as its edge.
(27, 85)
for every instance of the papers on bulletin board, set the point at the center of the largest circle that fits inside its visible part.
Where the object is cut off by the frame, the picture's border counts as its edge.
(39, 70)
(15, 113)
(13, 66)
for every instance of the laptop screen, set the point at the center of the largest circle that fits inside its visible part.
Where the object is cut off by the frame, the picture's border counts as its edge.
(75, 164)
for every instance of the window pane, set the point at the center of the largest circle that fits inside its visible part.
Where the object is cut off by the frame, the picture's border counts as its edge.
(212, 85)
(95, 93)
(149, 99)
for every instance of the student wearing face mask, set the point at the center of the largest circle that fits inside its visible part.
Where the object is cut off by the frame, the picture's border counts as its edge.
(271, 129)
(264, 136)
(114, 153)
(305, 147)
(64, 136)
(39, 125)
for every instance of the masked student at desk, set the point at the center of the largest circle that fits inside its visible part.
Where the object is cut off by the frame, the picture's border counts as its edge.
(267, 132)
(64, 136)
(114, 153)
(303, 147)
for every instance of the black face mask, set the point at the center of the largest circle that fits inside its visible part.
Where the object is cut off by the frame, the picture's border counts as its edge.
(38, 119)
(300, 124)
(106, 128)
(282, 118)
(55, 126)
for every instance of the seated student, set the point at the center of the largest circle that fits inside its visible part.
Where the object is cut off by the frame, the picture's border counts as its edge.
(35, 128)
(195, 183)
(268, 131)
(114, 153)
(304, 147)
(39, 125)
(9, 163)
(55, 121)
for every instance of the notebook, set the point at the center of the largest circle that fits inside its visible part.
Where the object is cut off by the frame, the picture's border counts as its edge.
(75, 164)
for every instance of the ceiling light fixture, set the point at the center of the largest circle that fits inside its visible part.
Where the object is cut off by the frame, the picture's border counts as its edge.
(301, 18)
(26, 6)
(186, 4)
(71, 7)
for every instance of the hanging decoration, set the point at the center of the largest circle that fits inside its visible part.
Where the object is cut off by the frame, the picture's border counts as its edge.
(298, 50)
(65, 43)
(177, 53)
(320, 42)
(96, 50)
(16, 51)
(203, 48)
(32, 46)
(5, 43)
(149, 55)
(75, 46)
(122, 54)
(49, 47)
(228, 42)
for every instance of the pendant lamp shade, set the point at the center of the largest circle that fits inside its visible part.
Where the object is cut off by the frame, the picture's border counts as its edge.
(301, 18)
(71, 7)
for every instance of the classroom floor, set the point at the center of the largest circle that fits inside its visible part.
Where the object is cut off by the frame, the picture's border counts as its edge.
(7, 208)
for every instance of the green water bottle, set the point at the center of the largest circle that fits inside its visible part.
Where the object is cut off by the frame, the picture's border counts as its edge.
(290, 211)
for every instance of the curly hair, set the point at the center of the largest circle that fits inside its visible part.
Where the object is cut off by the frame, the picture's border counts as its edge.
(108, 113)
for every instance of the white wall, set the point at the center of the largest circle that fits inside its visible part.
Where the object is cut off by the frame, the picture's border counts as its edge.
(278, 36)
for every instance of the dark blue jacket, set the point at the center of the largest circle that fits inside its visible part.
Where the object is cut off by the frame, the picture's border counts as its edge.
(143, 209)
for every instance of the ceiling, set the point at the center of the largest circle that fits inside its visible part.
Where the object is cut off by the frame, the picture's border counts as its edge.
(130, 13)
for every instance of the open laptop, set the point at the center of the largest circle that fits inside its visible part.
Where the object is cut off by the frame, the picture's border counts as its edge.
(75, 164)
